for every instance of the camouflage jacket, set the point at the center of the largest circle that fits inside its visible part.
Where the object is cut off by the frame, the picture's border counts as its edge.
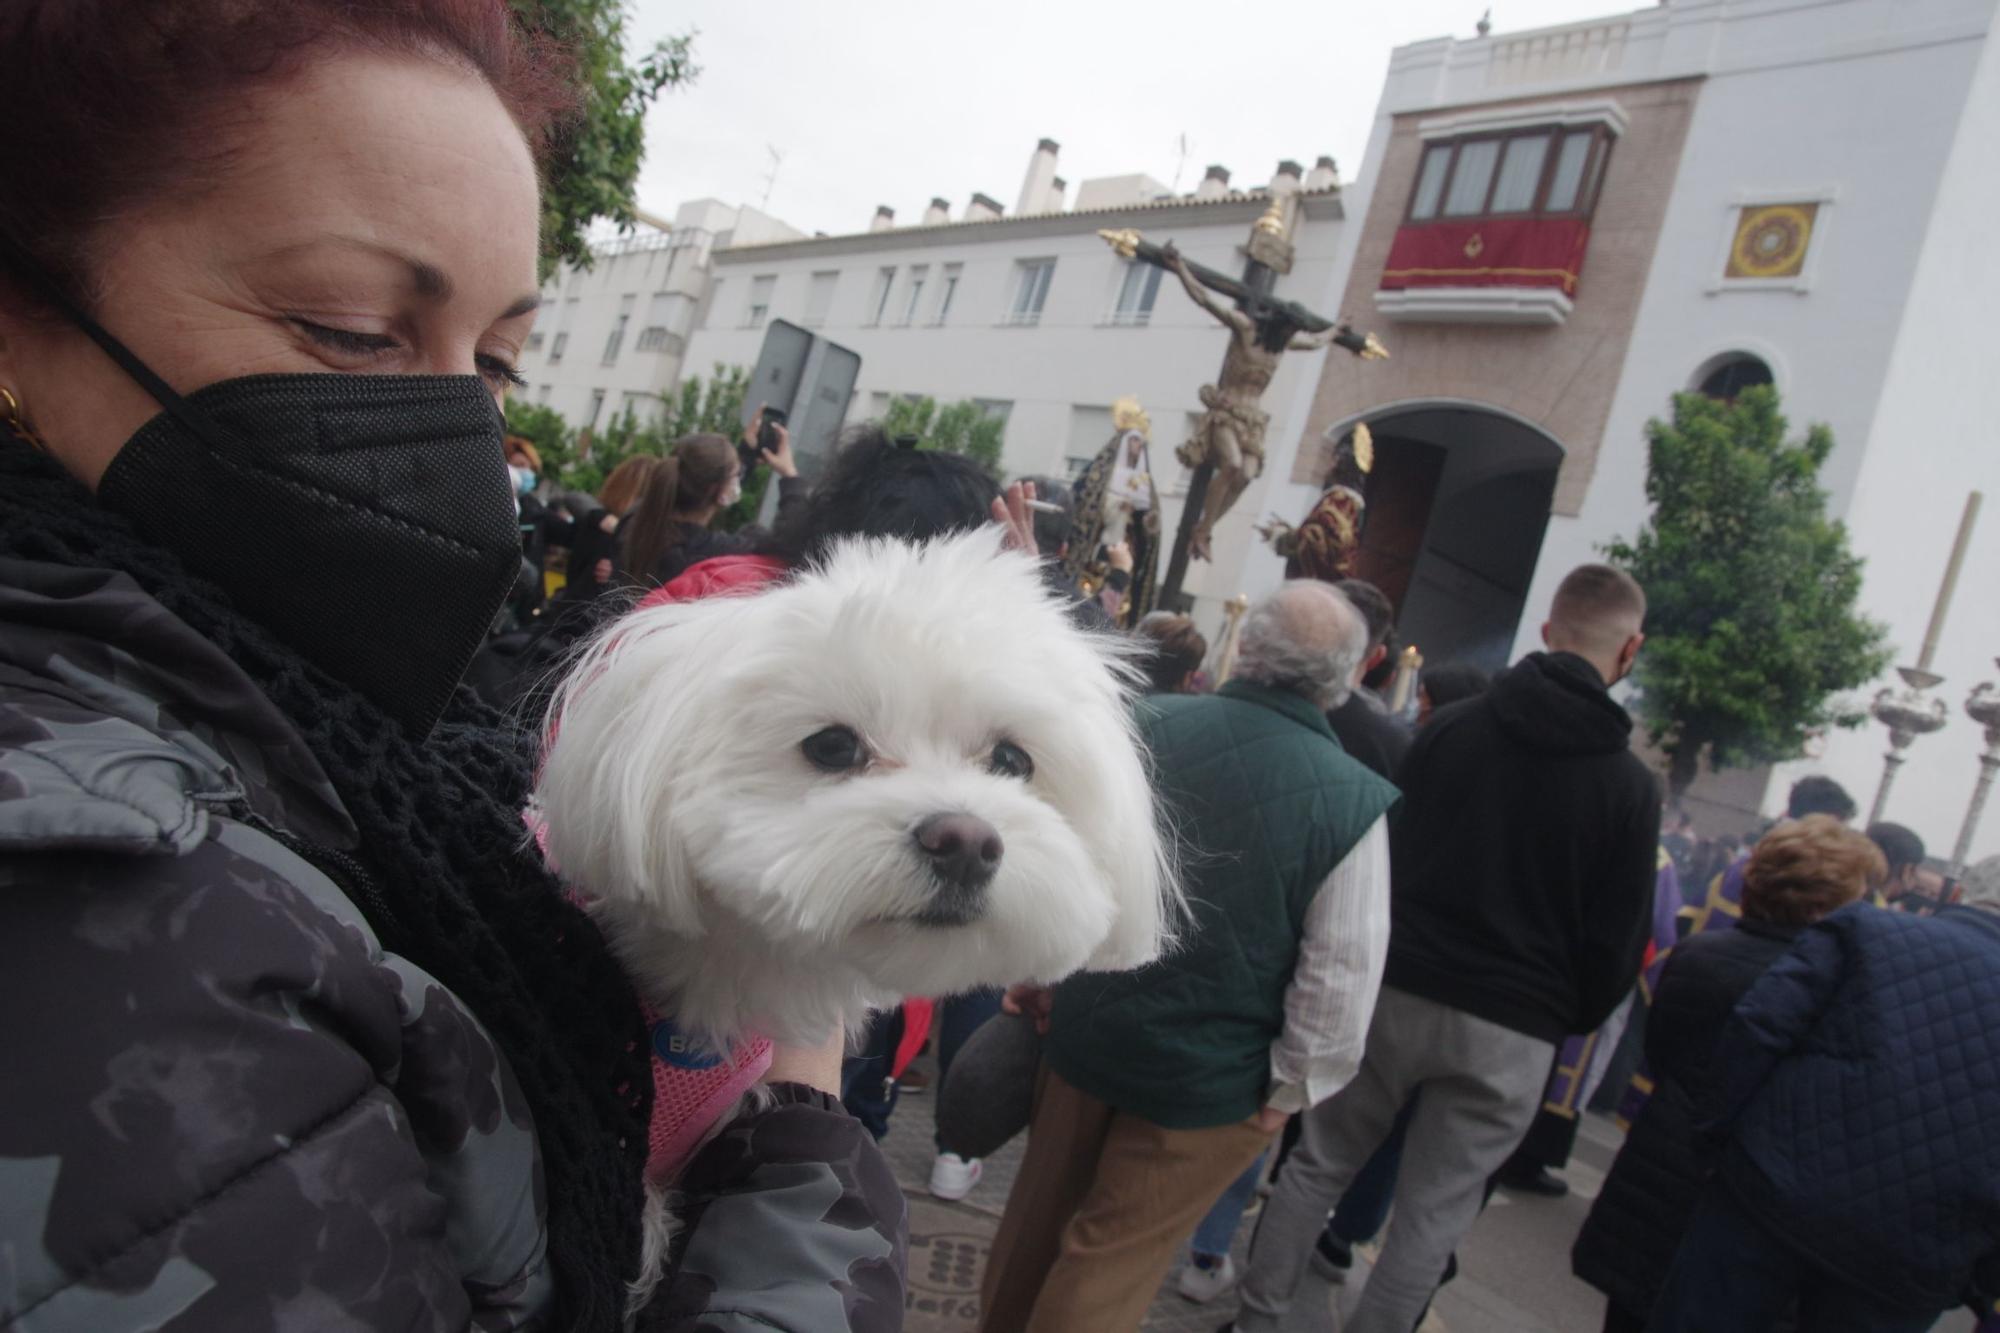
(222, 1105)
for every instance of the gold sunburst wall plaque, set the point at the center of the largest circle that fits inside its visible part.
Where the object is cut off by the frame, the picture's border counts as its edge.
(1771, 241)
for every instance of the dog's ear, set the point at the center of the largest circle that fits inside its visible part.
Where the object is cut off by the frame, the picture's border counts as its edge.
(626, 733)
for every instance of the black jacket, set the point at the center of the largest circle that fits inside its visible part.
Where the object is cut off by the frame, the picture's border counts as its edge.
(1628, 1242)
(1859, 1087)
(1367, 732)
(1525, 854)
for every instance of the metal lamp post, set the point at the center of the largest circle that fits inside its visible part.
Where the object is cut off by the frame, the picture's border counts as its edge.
(1983, 707)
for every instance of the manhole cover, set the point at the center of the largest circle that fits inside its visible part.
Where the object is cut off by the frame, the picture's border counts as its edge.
(945, 1268)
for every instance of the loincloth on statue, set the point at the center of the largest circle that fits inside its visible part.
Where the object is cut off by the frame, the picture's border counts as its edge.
(1248, 423)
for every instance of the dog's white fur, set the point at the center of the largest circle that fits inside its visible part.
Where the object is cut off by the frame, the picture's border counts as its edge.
(749, 892)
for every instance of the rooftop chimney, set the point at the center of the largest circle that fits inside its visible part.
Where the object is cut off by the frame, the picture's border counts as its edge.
(1041, 175)
(1324, 175)
(982, 209)
(1214, 185)
(885, 218)
(1057, 188)
(937, 214)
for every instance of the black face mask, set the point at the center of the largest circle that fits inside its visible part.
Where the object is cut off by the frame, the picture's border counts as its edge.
(366, 520)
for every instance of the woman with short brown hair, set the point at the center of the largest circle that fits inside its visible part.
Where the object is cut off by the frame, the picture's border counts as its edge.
(1801, 871)
(297, 1030)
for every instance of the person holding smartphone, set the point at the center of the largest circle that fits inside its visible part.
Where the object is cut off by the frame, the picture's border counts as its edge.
(671, 526)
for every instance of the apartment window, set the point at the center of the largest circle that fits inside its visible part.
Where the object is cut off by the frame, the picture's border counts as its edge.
(879, 305)
(651, 339)
(819, 298)
(616, 339)
(918, 275)
(1136, 292)
(544, 392)
(1536, 172)
(596, 406)
(947, 288)
(994, 409)
(565, 317)
(759, 308)
(535, 342)
(1031, 289)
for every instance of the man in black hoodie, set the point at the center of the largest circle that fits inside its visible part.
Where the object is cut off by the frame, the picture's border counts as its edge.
(1525, 856)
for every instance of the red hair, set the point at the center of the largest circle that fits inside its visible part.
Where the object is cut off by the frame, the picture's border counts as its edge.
(110, 103)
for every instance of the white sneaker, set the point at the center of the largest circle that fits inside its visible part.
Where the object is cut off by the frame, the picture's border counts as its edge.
(952, 1176)
(1202, 1285)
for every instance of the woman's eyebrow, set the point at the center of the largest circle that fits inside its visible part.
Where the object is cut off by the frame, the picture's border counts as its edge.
(522, 305)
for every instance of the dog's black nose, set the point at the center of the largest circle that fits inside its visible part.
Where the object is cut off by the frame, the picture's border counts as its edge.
(964, 849)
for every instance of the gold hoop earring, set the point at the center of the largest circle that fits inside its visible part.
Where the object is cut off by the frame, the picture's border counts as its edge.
(15, 420)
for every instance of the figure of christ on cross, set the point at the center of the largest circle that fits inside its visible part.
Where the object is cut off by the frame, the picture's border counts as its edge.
(1229, 435)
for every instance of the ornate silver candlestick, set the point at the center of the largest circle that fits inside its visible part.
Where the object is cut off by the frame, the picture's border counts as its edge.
(1908, 714)
(1983, 707)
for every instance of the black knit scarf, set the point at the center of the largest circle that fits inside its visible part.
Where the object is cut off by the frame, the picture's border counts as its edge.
(442, 880)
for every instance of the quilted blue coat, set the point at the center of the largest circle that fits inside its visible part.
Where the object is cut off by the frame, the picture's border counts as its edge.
(1861, 1095)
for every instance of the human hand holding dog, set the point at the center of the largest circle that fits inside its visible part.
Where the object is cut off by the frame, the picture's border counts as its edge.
(817, 1067)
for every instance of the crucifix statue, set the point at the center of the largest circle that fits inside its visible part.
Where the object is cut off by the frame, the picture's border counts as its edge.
(1226, 446)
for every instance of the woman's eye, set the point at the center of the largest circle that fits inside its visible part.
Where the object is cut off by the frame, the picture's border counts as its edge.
(496, 371)
(349, 342)
(1011, 761)
(834, 750)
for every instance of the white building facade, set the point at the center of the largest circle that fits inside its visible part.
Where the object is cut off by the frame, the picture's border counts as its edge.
(1034, 317)
(1764, 190)
(614, 336)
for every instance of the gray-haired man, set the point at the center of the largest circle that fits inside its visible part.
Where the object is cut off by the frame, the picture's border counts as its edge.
(1162, 1085)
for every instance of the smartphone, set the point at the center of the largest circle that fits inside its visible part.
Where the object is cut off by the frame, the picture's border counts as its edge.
(767, 433)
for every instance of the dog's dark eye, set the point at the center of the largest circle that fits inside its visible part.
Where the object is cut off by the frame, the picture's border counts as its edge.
(835, 749)
(1011, 761)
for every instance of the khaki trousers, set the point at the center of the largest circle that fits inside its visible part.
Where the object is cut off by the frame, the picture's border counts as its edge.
(1103, 1202)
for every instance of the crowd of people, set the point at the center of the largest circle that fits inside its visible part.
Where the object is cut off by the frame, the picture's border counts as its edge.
(300, 1031)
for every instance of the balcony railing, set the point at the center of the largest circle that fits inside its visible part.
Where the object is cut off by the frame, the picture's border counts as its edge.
(1553, 54)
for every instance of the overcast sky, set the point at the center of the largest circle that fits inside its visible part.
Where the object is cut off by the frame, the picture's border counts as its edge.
(894, 101)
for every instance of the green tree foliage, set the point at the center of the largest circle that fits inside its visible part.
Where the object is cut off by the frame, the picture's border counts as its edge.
(1752, 630)
(958, 428)
(595, 167)
(714, 404)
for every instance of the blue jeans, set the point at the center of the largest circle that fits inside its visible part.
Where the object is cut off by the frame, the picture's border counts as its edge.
(1731, 1275)
(957, 1017)
(1217, 1231)
(865, 1089)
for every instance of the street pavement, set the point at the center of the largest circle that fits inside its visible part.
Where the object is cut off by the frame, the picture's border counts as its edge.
(1513, 1266)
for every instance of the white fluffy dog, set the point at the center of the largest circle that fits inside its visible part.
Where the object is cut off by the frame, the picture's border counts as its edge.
(904, 772)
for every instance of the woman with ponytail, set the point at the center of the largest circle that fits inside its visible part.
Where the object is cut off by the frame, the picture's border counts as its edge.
(669, 528)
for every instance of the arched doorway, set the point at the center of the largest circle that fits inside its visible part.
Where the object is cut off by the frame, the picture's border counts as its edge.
(1457, 504)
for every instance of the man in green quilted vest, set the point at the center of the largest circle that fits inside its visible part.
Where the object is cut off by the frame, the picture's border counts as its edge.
(1162, 1085)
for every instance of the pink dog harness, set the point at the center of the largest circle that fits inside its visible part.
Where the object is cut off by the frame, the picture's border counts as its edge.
(692, 1088)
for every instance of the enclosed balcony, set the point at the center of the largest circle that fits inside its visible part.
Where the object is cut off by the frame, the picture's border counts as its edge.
(1499, 216)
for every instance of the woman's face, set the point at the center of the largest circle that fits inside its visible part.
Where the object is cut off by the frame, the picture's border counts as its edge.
(379, 216)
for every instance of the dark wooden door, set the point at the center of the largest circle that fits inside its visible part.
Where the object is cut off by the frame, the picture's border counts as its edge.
(1401, 488)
